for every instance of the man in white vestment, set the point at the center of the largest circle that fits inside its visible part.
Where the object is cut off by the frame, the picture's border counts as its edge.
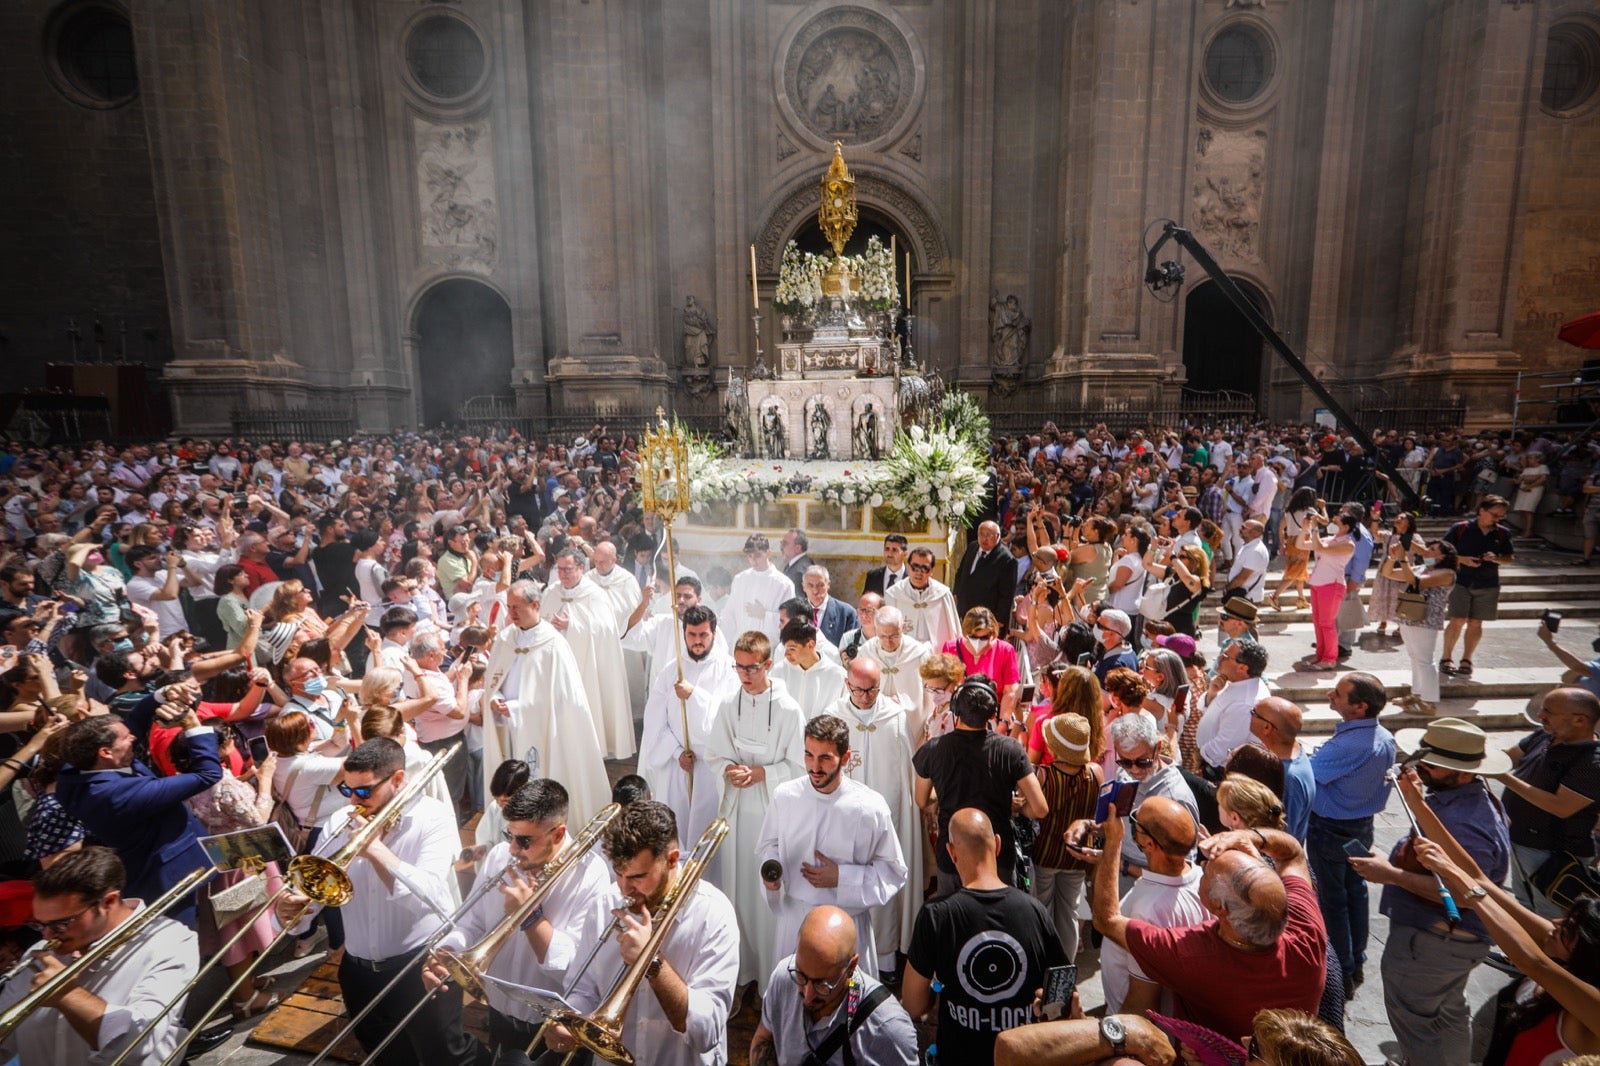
(928, 606)
(582, 613)
(544, 954)
(667, 760)
(834, 840)
(620, 587)
(756, 745)
(537, 710)
(679, 1017)
(757, 591)
(77, 901)
(650, 631)
(899, 658)
(880, 758)
(813, 681)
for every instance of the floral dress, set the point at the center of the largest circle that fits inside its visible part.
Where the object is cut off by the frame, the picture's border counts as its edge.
(225, 807)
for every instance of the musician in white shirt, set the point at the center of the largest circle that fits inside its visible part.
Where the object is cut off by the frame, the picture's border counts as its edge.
(402, 889)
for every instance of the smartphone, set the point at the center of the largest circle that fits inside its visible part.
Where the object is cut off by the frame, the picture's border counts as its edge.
(1029, 693)
(1086, 659)
(1357, 850)
(1059, 981)
(1122, 794)
(1551, 620)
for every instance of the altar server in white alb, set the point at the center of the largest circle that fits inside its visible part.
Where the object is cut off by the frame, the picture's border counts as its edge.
(756, 745)
(680, 1015)
(77, 901)
(927, 605)
(880, 758)
(834, 839)
(583, 614)
(536, 708)
(667, 758)
(543, 953)
(812, 679)
(757, 591)
(620, 586)
(899, 658)
(650, 630)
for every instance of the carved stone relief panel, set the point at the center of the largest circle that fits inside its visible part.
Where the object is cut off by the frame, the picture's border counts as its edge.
(457, 212)
(849, 74)
(1229, 171)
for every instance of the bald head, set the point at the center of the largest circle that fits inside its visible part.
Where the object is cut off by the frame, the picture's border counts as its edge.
(972, 837)
(1247, 895)
(604, 556)
(1168, 827)
(828, 935)
(1277, 722)
(988, 535)
(865, 675)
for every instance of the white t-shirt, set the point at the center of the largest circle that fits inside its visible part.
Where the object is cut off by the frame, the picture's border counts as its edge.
(1126, 599)
(169, 613)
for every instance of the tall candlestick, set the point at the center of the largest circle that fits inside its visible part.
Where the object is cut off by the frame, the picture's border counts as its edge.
(755, 299)
(908, 281)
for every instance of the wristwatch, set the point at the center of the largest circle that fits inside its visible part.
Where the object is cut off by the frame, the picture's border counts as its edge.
(654, 968)
(1475, 893)
(1113, 1033)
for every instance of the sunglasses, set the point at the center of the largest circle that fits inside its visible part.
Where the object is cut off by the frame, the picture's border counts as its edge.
(523, 841)
(52, 929)
(359, 791)
(920, 568)
(1143, 764)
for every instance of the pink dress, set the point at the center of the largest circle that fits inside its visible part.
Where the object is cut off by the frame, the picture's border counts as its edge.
(227, 806)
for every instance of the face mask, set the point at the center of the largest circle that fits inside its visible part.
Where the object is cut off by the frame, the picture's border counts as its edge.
(1332, 529)
(123, 645)
(314, 686)
(941, 696)
(979, 644)
(93, 559)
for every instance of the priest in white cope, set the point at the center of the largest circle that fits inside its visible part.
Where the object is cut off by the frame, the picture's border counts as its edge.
(835, 840)
(928, 606)
(667, 759)
(812, 680)
(537, 710)
(880, 758)
(757, 591)
(650, 630)
(620, 587)
(583, 614)
(756, 745)
(899, 658)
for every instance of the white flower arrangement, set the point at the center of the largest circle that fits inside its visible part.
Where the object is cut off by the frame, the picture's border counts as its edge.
(800, 278)
(852, 489)
(935, 474)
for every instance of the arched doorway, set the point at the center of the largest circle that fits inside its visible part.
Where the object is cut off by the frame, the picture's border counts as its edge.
(1221, 350)
(869, 223)
(463, 347)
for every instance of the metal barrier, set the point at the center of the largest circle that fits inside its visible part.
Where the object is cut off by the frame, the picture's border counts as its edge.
(317, 422)
(1557, 399)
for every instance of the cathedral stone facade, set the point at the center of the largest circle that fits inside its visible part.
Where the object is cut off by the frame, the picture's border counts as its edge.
(412, 206)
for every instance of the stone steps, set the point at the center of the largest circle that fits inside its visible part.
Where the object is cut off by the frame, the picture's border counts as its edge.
(1489, 715)
(1524, 605)
(1312, 689)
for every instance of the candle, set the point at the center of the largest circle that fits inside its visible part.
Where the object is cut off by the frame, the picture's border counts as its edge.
(755, 299)
(908, 281)
(894, 256)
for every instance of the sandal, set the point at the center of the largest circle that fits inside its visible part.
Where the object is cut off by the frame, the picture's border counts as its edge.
(1465, 669)
(1383, 628)
(1447, 668)
(254, 1006)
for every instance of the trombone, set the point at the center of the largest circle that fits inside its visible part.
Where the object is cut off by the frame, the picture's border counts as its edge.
(466, 967)
(323, 881)
(601, 1030)
(19, 1012)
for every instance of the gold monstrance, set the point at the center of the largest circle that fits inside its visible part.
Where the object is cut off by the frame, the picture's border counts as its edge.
(837, 217)
(664, 482)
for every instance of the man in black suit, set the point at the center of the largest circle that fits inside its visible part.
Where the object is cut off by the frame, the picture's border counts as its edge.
(795, 559)
(881, 578)
(833, 618)
(987, 576)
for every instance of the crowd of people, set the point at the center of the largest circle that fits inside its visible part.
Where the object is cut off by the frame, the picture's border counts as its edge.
(931, 794)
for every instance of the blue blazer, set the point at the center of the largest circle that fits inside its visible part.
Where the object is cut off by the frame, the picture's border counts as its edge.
(838, 618)
(143, 816)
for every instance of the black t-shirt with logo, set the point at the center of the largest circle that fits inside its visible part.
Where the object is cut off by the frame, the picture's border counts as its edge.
(989, 949)
(974, 768)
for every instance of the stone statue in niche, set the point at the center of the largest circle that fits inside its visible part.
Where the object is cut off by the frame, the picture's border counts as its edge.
(864, 439)
(821, 425)
(1230, 167)
(699, 330)
(773, 437)
(736, 415)
(1009, 330)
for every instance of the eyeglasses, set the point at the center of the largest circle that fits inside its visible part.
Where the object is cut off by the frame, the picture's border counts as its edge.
(919, 568)
(1143, 764)
(750, 668)
(1252, 1050)
(54, 928)
(359, 791)
(1262, 718)
(825, 987)
(859, 691)
(523, 841)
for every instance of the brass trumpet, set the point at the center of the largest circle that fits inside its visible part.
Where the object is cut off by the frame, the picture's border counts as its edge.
(466, 967)
(601, 1031)
(19, 1011)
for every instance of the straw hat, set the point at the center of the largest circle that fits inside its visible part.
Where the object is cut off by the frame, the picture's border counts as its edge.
(1452, 744)
(1067, 737)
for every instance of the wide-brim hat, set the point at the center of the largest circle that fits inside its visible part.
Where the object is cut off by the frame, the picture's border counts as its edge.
(1453, 744)
(1067, 737)
(1240, 608)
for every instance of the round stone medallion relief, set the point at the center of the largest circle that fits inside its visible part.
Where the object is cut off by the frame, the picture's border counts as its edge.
(849, 74)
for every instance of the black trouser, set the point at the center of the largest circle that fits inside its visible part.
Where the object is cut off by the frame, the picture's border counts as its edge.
(455, 773)
(434, 1036)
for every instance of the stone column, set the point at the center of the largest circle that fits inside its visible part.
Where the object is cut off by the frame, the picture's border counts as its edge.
(1469, 196)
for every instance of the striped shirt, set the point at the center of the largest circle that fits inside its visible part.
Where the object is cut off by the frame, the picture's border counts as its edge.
(1071, 797)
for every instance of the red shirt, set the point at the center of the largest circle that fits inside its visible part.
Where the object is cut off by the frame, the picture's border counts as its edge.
(260, 574)
(1222, 987)
(998, 661)
(162, 736)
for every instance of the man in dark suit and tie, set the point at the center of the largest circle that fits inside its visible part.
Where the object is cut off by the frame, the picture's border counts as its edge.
(121, 801)
(987, 576)
(833, 618)
(881, 578)
(795, 560)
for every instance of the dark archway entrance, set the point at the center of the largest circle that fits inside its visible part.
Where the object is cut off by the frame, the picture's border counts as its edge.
(1221, 350)
(463, 347)
(869, 224)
